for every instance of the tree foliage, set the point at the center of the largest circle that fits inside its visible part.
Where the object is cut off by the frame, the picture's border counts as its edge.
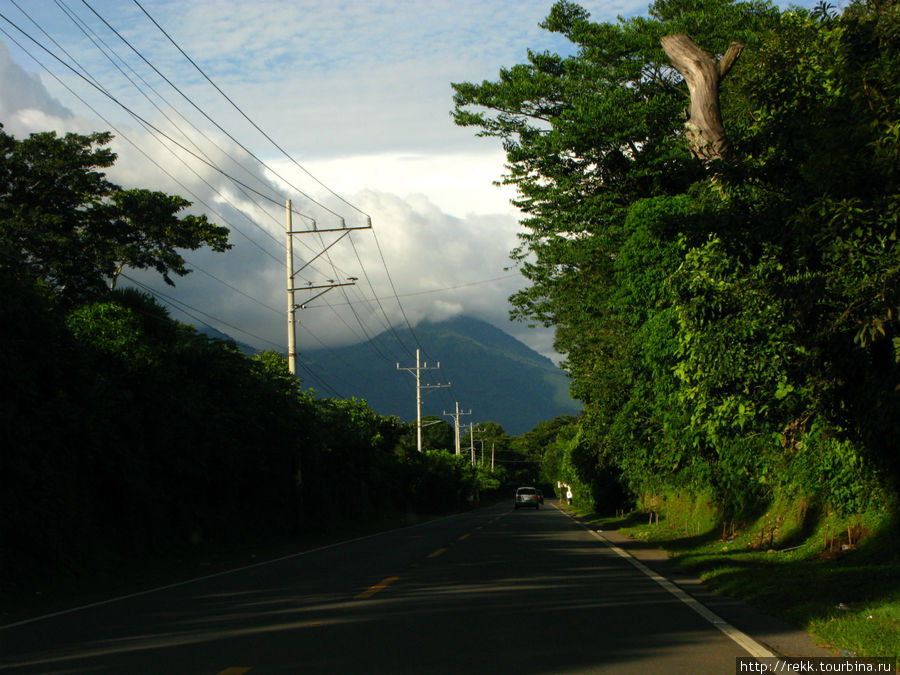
(125, 433)
(730, 325)
(75, 230)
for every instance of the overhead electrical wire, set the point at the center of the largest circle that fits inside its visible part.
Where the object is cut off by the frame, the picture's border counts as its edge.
(202, 112)
(95, 83)
(279, 312)
(367, 337)
(94, 38)
(227, 175)
(242, 113)
(222, 322)
(193, 265)
(86, 30)
(127, 139)
(184, 307)
(147, 123)
(286, 154)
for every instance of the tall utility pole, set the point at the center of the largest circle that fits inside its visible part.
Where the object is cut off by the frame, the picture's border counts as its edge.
(455, 417)
(472, 432)
(417, 373)
(292, 306)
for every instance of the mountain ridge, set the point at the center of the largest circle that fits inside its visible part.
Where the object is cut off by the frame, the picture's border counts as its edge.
(492, 373)
(498, 377)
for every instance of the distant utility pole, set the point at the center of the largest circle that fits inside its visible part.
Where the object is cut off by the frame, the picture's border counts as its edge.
(417, 373)
(481, 440)
(292, 306)
(472, 432)
(456, 417)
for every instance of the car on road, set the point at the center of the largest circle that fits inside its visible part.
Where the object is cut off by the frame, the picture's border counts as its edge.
(528, 496)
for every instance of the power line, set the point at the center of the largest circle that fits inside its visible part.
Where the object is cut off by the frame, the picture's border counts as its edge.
(243, 114)
(178, 304)
(201, 111)
(222, 322)
(210, 164)
(282, 150)
(126, 138)
(94, 38)
(147, 123)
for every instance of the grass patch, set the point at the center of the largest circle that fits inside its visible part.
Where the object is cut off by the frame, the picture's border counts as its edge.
(837, 577)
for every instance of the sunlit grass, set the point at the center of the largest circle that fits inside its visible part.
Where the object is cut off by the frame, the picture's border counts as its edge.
(837, 578)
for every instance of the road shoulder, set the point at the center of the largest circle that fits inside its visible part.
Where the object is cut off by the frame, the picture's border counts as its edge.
(780, 637)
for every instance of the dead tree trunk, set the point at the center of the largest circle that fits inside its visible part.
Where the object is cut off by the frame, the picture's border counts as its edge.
(703, 73)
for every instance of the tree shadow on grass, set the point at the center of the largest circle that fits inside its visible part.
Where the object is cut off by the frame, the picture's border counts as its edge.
(849, 578)
(816, 587)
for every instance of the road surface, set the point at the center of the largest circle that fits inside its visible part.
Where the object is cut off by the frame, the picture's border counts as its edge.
(494, 590)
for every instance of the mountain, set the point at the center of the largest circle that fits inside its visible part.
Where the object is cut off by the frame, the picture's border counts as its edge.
(499, 378)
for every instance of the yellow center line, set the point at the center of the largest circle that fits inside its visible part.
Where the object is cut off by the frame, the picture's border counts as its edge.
(372, 590)
(465, 536)
(437, 553)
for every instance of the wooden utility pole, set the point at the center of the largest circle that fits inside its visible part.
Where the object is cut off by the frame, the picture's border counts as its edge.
(703, 74)
(417, 373)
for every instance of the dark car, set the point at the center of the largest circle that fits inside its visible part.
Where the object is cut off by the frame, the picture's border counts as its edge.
(528, 496)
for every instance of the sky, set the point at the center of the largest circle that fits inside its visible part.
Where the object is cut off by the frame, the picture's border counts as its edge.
(341, 106)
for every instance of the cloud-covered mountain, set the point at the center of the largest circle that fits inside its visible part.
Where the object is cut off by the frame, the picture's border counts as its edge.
(497, 377)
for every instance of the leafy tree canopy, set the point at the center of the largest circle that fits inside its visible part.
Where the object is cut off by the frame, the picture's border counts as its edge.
(722, 318)
(75, 230)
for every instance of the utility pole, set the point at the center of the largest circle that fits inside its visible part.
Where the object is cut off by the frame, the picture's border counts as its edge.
(472, 439)
(417, 373)
(481, 440)
(292, 306)
(455, 417)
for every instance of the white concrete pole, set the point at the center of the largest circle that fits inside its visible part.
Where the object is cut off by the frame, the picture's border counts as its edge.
(291, 307)
(418, 404)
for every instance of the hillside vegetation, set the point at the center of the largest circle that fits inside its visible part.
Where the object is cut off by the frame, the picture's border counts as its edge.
(127, 436)
(723, 278)
(492, 373)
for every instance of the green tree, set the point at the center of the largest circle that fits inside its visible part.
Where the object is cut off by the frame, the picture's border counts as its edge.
(75, 230)
(718, 310)
(437, 434)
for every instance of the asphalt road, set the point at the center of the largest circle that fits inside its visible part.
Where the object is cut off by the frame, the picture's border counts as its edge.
(490, 591)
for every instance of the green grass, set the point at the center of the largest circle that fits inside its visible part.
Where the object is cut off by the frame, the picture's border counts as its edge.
(802, 566)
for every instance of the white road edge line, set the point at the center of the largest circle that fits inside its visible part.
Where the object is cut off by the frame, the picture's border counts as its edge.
(750, 645)
(148, 591)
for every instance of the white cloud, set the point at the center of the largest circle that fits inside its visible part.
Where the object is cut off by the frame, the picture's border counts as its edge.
(360, 93)
(25, 104)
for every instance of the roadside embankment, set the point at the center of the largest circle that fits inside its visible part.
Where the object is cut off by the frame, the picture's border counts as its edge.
(835, 576)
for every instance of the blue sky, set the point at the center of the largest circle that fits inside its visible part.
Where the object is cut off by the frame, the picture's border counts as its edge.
(359, 93)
